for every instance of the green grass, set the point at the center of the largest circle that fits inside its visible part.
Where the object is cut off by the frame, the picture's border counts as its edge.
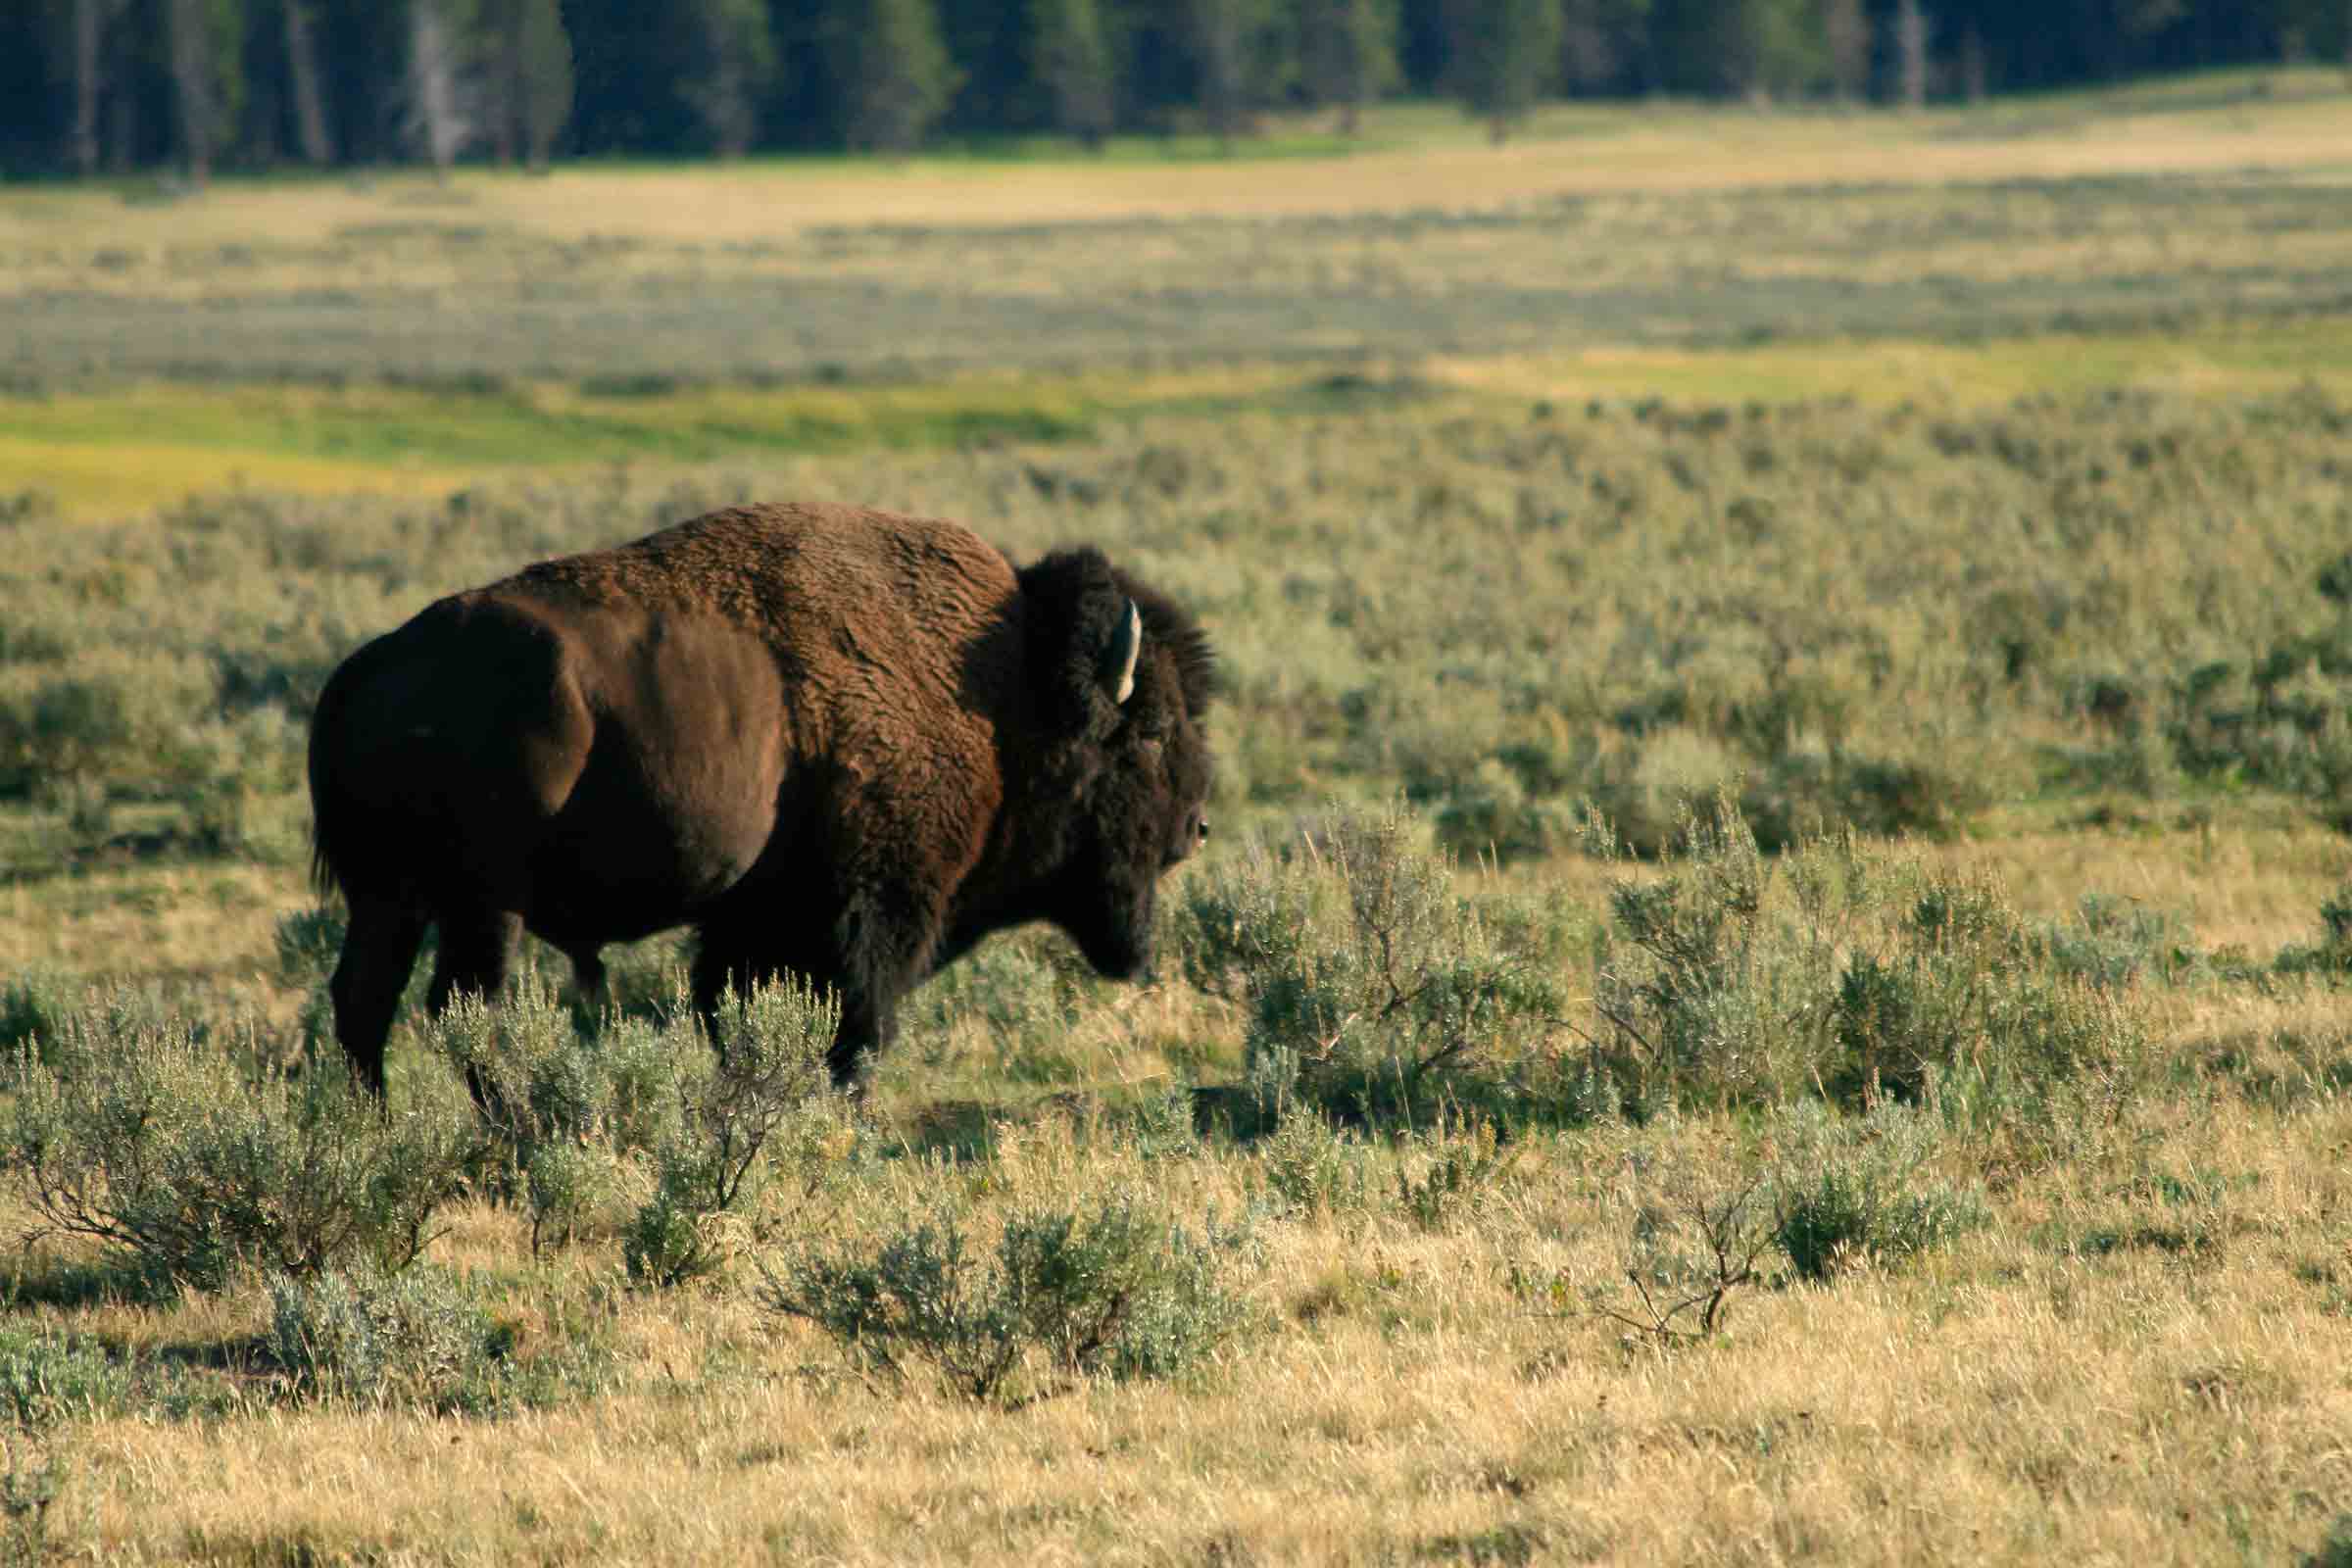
(101, 452)
(118, 451)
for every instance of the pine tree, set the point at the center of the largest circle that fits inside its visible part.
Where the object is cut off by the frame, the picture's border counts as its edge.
(1845, 31)
(1505, 53)
(543, 81)
(1755, 49)
(735, 54)
(1237, 59)
(1349, 53)
(1603, 41)
(1075, 60)
(205, 38)
(1786, 49)
(898, 76)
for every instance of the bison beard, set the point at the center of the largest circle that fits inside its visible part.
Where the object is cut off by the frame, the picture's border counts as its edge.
(836, 742)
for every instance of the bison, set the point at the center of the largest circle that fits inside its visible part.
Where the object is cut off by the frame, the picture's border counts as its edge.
(834, 741)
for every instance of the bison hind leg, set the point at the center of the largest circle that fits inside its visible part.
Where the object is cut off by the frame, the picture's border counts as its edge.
(380, 948)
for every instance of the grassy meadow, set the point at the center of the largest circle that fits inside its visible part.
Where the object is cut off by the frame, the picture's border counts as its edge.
(1771, 985)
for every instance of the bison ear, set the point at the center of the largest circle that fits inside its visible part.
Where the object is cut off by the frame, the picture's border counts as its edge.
(1085, 635)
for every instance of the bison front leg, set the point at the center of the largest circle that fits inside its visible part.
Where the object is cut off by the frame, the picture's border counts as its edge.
(869, 958)
(719, 970)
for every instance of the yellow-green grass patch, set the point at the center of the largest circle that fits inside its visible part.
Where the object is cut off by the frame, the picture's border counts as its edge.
(2229, 358)
(118, 451)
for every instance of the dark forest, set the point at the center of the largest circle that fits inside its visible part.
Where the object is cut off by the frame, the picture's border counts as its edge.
(191, 86)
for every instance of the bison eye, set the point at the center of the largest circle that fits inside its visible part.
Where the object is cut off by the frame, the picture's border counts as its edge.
(1205, 827)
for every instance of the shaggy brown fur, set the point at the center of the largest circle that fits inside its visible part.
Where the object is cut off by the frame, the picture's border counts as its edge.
(835, 741)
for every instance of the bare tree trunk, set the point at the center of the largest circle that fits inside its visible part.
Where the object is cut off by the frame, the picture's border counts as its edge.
(1911, 47)
(192, 79)
(721, 96)
(89, 32)
(309, 102)
(436, 117)
(1972, 65)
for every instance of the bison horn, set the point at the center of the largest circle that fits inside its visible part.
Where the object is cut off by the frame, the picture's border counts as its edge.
(1124, 649)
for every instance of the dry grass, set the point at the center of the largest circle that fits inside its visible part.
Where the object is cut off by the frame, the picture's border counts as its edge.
(216, 921)
(2235, 360)
(2101, 1373)
(1412, 162)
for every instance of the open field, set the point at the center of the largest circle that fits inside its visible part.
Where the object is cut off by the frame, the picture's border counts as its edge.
(400, 334)
(1669, 227)
(1925, 543)
(455, 293)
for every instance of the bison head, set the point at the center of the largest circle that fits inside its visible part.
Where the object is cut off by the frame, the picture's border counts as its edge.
(1127, 679)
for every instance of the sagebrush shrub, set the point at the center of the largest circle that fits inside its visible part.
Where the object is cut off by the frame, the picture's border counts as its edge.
(1455, 1178)
(547, 1098)
(132, 1129)
(770, 1067)
(33, 1477)
(46, 1378)
(577, 1118)
(1307, 1166)
(378, 1340)
(2115, 942)
(420, 1338)
(309, 942)
(1372, 988)
(1847, 1190)
(1732, 978)
(1017, 996)
(33, 1007)
(2331, 954)
(1965, 998)
(1119, 1291)
(1700, 1000)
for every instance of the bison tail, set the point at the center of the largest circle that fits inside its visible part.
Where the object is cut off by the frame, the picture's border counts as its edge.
(328, 832)
(348, 851)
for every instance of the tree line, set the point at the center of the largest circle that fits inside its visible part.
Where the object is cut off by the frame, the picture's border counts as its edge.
(91, 86)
